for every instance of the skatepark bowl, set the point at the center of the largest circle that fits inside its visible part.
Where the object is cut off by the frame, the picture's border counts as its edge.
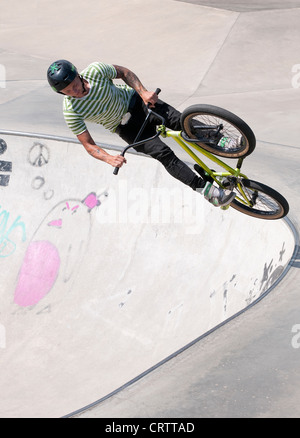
(104, 278)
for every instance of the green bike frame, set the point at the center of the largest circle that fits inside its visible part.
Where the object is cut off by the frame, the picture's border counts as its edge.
(229, 171)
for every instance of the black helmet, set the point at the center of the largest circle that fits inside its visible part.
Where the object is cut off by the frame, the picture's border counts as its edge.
(60, 74)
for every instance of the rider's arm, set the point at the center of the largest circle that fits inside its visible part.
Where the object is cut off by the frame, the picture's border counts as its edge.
(95, 151)
(133, 81)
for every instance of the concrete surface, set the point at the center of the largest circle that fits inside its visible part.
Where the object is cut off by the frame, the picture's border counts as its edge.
(110, 288)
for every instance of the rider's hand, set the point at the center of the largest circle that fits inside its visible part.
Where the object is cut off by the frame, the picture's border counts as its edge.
(149, 97)
(116, 160)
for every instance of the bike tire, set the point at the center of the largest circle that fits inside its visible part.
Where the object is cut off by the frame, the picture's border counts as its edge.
(269, 204)
(234, 128)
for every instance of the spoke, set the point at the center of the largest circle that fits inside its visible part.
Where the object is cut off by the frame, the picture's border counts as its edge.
(228, 130)
(259, 201)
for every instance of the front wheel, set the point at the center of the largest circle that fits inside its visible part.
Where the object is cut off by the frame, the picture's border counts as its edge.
(219, 131)
(258, 200)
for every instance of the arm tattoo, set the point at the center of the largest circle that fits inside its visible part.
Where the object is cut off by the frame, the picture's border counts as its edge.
(133, 81)
(130, 78)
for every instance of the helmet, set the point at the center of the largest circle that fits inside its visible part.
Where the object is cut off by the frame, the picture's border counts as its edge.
(60, 74)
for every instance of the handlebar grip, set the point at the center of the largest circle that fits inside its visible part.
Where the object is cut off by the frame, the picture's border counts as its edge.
(157, 91)
(116, 170)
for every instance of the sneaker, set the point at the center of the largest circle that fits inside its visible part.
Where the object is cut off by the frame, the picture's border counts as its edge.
(228, 142)
(217, 196)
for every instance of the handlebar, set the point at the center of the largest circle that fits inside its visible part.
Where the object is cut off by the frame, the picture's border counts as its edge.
(136, 142)
(157, 91)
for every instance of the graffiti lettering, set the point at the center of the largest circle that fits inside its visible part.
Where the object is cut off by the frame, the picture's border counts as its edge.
(7, 245)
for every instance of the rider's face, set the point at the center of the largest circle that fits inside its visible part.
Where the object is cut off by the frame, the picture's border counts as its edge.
(75, 89)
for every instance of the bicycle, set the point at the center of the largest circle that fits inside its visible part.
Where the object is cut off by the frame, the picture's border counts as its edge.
(215, 132)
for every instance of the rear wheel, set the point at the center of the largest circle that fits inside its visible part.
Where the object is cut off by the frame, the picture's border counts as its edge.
(219, 131)
(258, 200)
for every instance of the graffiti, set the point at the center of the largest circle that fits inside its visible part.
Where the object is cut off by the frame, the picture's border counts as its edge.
(5, 166)
(8, 246)
(38, 155)
(38, 182)
(3, 146)
(56, 249)
(256, 287)
(272, 272)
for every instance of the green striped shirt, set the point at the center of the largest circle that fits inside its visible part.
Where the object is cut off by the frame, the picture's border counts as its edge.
(105, 104)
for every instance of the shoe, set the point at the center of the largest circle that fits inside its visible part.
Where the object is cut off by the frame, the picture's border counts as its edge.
(216, 196)
(228, 142)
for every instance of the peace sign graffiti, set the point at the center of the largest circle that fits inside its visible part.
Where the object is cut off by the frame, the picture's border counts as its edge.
(38, 155)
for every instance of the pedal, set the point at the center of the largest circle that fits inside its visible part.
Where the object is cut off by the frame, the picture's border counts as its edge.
(229, 182)
(202, 173)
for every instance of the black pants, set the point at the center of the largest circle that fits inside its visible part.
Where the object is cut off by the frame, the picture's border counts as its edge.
(157, 148)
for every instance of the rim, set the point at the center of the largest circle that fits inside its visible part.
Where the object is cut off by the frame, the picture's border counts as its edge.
(264, 204)
(229, 130)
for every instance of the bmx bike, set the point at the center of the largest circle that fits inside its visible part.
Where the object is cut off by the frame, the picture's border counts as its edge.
(215, 132)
